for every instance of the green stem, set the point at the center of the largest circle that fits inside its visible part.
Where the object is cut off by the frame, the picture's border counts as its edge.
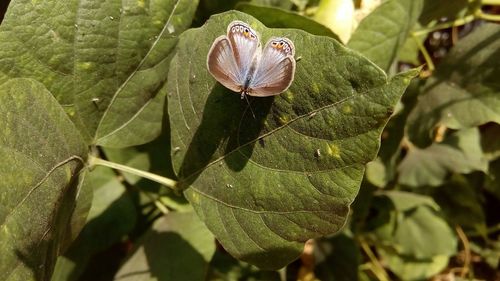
(445, 25)
(158, 203)
(489, 17)
(376, 267)
(426, 55)
(491, 2)
(154, 177)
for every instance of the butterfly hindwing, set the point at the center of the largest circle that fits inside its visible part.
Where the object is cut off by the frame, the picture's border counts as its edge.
(275, 69)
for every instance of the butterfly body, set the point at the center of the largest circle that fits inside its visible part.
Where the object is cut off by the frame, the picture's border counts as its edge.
(238, 62)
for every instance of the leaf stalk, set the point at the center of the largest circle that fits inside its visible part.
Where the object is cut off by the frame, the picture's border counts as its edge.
(147, 175)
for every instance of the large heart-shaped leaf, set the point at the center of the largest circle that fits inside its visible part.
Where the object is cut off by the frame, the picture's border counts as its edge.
(105, 61)
(42, 154)
(265, 184)
(458, 95)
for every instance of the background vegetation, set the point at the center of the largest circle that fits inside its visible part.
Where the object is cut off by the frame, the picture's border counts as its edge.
(123, 159)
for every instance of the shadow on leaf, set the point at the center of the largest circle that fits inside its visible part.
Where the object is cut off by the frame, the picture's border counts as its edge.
(227, 122)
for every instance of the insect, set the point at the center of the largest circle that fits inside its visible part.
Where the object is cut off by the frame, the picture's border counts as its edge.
(239, 63)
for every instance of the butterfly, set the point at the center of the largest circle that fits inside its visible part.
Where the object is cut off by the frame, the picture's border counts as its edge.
(238, 62)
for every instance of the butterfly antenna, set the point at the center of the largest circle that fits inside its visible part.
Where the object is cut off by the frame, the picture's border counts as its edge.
(249, 105)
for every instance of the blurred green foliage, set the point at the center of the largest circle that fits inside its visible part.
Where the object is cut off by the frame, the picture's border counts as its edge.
(85, 79)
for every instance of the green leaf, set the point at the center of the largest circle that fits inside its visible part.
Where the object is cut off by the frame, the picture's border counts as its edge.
(381, 35)
(178, 247)
(410, 51)
(489, 141)
(224, 267)
(435, 10)
(301, 4)
(283, 4)
(42, 154)
(406, 201)
(461, 203)
(105, 61)
(459, 153)
(113, 215)
(464, 90)
(382, 171)
(489, 252)
(337, 259)
(411, 269)
(492, 183)
(278, 18)
(265, 185)
(417, 231)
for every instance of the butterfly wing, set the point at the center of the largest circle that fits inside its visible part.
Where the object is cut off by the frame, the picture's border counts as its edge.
(275, 69)
(231, 57)
(245, 43)
(222, 65)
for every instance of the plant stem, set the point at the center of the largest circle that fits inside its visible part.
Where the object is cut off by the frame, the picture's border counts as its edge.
(467, 259)
(445, 25)
(491, 2)
(489, 17)
(376, 267)
(154, 177)
(158, 203)
(426, 55)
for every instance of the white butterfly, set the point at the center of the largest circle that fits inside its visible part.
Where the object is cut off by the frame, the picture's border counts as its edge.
(237, 61)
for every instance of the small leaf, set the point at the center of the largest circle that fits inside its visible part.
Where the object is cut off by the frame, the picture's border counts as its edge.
(458, 153)
(382, 34)
(410, 51)
(337, 259)
(405, 201)
(492, 183)
(259, 182)
(461, 202)
(278, 18)
(417, 232)
(42, 154)
(412, 269)
(435, 10)
(463, 93)
(105, 61)
(489, 141)
(283, 4)
(178, 247)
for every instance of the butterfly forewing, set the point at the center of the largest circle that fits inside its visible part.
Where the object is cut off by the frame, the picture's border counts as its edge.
(245, 43)
(231, 57)
(222, 65)
(275, 69)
